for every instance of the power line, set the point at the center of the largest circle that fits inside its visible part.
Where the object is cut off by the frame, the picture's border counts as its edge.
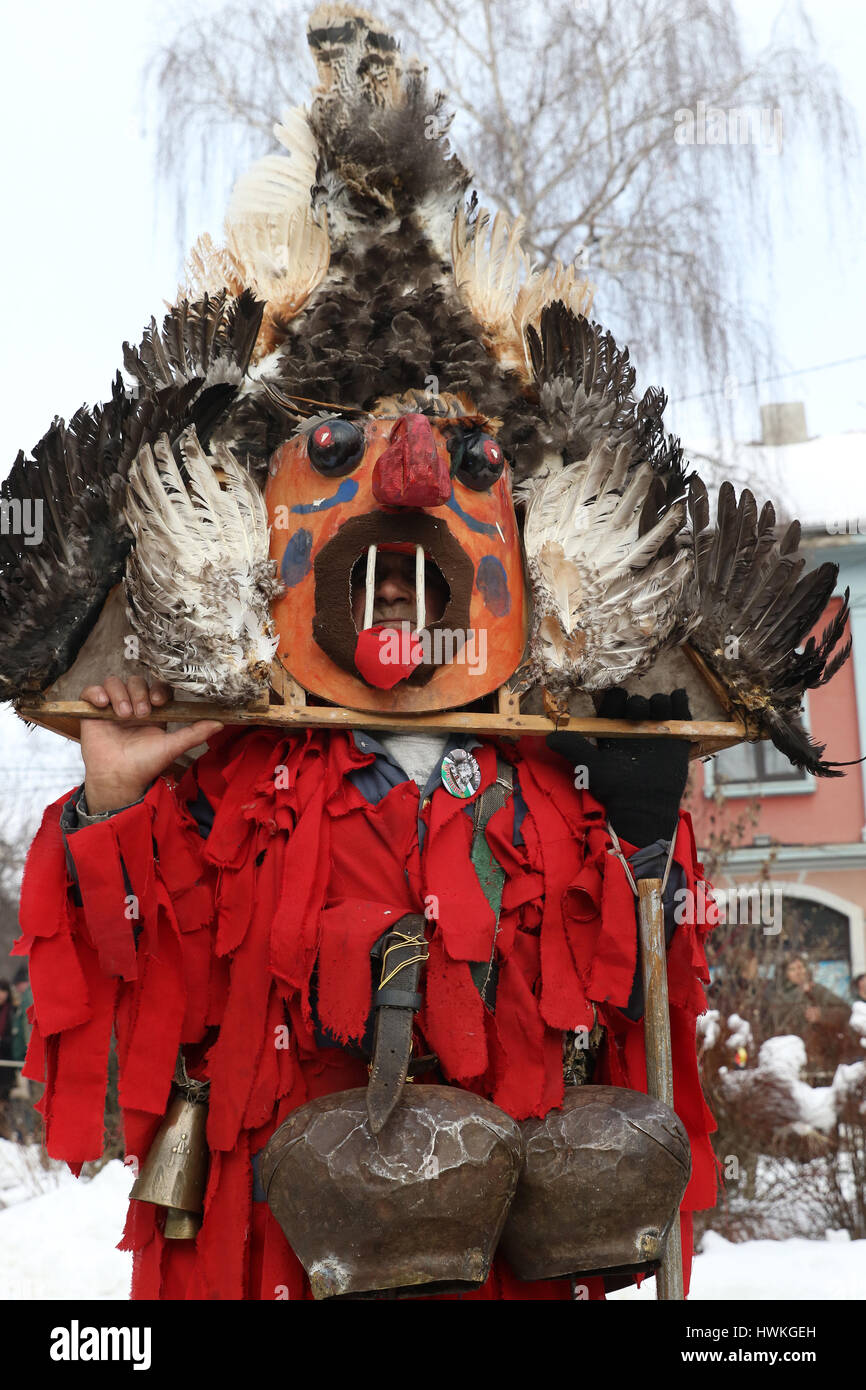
(780, 376)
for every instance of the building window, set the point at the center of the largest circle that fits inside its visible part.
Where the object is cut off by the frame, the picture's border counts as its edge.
(755, 769)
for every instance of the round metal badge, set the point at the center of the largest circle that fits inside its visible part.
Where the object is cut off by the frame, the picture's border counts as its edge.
(461, 775)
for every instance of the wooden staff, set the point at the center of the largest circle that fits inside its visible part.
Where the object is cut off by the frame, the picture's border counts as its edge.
(659, 1062)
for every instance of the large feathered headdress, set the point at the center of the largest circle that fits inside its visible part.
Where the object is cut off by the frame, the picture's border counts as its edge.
(357, 269)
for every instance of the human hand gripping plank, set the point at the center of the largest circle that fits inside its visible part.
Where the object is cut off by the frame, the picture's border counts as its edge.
(122, 757)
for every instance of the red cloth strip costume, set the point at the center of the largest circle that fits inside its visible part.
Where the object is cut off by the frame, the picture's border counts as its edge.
(213, 944)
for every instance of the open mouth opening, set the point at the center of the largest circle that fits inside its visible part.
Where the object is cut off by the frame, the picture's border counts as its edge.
(397, 583)
(386, 571)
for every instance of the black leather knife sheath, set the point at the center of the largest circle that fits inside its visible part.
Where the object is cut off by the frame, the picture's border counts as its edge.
(397, 1000)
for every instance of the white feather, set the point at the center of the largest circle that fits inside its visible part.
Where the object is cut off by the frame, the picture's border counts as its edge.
(605, 602)
(295, 134)
(200, 580)
(489, 266)
(435, 214)
(276, 244)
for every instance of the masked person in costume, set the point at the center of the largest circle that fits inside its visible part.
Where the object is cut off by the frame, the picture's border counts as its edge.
(314, 474)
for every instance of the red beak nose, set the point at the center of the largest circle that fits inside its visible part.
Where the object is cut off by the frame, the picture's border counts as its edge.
(410, 473)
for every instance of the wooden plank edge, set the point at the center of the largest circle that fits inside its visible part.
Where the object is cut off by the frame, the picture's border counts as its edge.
(707, 732)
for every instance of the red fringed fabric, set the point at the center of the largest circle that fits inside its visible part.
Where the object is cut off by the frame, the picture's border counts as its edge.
(350, 928)
(217, 944)
(80, 1070)
(44, 908)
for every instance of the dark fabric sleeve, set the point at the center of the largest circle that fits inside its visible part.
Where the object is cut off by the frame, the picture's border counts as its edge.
(77, 817)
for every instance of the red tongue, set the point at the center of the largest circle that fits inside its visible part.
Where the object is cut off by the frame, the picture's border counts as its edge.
(385, 655)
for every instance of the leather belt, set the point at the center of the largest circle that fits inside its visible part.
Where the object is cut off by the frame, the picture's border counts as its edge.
(404, 951)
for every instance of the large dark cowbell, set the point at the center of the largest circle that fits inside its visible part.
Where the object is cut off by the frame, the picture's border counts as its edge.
(397, 1189)
(414, 1210)
(419, 1208)
(601, 1186)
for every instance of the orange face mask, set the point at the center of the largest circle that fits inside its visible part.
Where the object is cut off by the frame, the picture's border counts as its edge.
(398, 547)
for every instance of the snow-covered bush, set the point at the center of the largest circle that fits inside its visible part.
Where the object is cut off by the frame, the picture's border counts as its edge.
(793, 1155)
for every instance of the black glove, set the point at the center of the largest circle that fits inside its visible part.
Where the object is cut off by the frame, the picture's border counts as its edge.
(639, 781)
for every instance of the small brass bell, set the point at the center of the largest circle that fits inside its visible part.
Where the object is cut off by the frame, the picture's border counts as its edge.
(175, 1170)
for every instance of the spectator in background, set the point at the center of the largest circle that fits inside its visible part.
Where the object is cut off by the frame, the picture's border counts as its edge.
(21, 1033)
(858, 987)
(812, 1012)
(21, 1023)
(7, 1074)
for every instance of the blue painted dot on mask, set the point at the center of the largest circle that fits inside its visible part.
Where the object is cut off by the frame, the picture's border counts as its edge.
(296, 558)
(492, 582)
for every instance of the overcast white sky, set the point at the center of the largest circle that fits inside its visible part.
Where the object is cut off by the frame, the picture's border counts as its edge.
(816, 301)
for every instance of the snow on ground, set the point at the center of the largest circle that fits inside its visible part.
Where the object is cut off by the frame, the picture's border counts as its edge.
(60, 1244)
(799, 1270)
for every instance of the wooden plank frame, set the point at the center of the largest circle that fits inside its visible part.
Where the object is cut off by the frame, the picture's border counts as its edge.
(287, 706)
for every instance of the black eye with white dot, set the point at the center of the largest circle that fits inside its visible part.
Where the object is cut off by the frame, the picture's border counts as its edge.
(335, 447)
(477, 459)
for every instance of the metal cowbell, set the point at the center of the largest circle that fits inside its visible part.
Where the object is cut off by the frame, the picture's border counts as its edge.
(601, 1186)
(175, 1170)
(415, 1210)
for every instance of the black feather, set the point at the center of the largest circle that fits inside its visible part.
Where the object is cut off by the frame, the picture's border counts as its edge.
(585, 387)
(194, 338)
(756, 609)
(52, 593)
(791, 738)
(698, 505)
